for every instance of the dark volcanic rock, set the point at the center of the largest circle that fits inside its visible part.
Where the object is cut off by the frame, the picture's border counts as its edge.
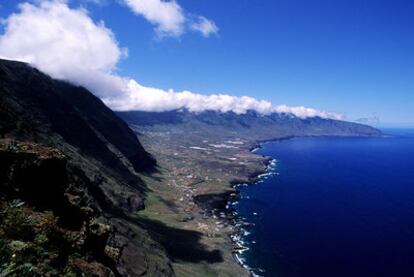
(33, 105)
(214, 201)
(29, 170)
(98, 144)
(78, 159)
(38, 175)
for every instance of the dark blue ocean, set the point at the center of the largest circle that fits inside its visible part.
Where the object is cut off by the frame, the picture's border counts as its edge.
(333, 207)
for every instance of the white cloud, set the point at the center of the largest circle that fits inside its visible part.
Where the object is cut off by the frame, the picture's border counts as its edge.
(304, 112)
(205, 26)
(138, 97)
(170, 18)
(67, 44)
(60, 41)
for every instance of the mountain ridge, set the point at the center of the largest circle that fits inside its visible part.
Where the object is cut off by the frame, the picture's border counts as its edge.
(258, 127)
(97, 173)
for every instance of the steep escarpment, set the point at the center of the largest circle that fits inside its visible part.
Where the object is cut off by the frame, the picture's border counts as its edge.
(34, 106)
(67, 158)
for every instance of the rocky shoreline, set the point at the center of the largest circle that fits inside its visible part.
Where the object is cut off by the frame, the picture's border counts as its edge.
(228, 211)
(201, 179)
(240, 225)
(237, 221)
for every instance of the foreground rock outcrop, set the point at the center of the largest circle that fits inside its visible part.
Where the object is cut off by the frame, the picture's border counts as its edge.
(46, 228)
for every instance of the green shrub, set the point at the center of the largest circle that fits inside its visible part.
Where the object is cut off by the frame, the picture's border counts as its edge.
(16, 223)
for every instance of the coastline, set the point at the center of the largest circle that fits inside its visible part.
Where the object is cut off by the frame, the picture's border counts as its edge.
(238, 222)
(206, 200)
(195, 190)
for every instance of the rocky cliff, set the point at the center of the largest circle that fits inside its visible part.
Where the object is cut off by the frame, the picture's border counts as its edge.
(69, 174)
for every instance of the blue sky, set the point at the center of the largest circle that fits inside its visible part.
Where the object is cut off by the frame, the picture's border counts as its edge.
(348, 56)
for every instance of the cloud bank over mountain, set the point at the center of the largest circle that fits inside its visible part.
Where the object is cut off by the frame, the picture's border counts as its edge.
(67, 44)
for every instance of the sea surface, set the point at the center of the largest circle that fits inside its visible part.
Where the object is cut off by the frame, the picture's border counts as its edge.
(333, 207)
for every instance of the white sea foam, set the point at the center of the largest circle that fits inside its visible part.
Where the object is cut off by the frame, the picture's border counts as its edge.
(240, 260)
(239, 239)
(198, 148)
(264, 175)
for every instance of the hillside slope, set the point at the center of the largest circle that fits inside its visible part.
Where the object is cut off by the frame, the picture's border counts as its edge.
(89, 188)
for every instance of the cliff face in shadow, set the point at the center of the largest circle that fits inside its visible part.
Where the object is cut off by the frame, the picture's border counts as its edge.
(34, 106)
(68, 158)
